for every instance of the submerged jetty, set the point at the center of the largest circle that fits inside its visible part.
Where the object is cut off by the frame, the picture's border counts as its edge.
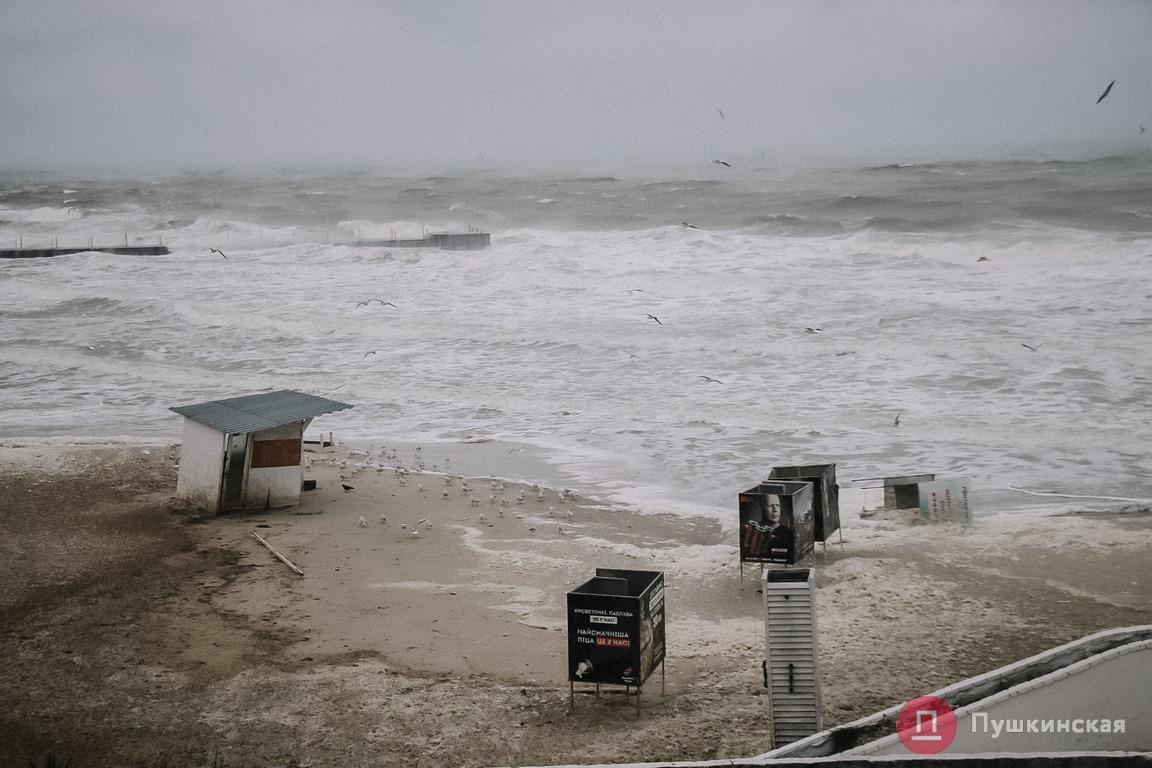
(124, 250)
(445, 241)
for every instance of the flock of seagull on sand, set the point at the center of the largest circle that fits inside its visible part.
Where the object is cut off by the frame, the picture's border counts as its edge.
(383, 460)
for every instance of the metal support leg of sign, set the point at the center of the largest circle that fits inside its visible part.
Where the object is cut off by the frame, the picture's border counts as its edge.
(629, 691)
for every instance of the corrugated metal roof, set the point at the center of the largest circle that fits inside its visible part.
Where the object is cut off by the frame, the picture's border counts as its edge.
(250, 413)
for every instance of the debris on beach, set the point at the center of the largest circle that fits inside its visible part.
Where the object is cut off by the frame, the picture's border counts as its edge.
(1128, 510)
(279, 556)
(914, 499)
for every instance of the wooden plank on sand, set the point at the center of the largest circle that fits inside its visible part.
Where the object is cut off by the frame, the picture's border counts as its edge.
(281, 557)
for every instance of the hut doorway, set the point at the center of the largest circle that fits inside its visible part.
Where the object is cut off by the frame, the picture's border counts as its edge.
(235, 460)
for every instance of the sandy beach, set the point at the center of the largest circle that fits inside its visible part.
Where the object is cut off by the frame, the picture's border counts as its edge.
(429, 628)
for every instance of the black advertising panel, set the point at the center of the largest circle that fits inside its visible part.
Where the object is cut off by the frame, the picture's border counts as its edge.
(825, 494)
(776, 522)
(616, 627)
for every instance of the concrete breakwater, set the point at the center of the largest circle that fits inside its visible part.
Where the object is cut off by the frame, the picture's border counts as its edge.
(445, 241)
(125, 250)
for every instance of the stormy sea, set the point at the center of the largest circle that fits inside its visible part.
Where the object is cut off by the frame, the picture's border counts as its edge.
(656, 337)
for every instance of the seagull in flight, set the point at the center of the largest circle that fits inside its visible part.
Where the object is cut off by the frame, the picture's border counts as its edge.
(690, 226)
(653, 317)
(1106, 91)
(369, 352)
(1029, 346)
(217, 250)
(709, 378)
(723, 163)
(896, 421)
(721, 112)
(382, 303)
(813, 330)
(635, 290)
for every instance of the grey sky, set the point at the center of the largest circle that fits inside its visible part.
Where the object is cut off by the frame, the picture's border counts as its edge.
(442, 83)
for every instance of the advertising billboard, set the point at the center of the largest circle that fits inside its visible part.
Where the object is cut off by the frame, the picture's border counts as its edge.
(776, 522)
(616, 627)
(825, 494)
(945, 501)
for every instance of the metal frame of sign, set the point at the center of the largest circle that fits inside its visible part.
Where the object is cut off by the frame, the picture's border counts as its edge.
(616, 632)
(787, 543)
(825, 495)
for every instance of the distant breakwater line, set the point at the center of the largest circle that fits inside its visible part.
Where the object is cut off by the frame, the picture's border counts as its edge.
(445, 241)
(124, 250)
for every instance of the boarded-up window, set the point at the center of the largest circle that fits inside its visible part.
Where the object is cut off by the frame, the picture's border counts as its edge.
(276, 453)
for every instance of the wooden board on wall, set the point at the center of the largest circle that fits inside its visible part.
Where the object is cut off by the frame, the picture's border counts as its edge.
(276, 453)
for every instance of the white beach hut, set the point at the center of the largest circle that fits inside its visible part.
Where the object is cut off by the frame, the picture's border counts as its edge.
(245, 452)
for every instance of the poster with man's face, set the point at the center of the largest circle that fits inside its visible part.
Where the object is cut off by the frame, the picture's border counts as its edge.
(776, 522)
(825, 494)
(766, 527)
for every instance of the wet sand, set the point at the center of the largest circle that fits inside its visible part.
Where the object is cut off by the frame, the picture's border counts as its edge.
(134, 631)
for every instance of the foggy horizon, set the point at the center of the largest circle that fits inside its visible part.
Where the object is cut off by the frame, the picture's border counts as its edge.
(513, 86)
